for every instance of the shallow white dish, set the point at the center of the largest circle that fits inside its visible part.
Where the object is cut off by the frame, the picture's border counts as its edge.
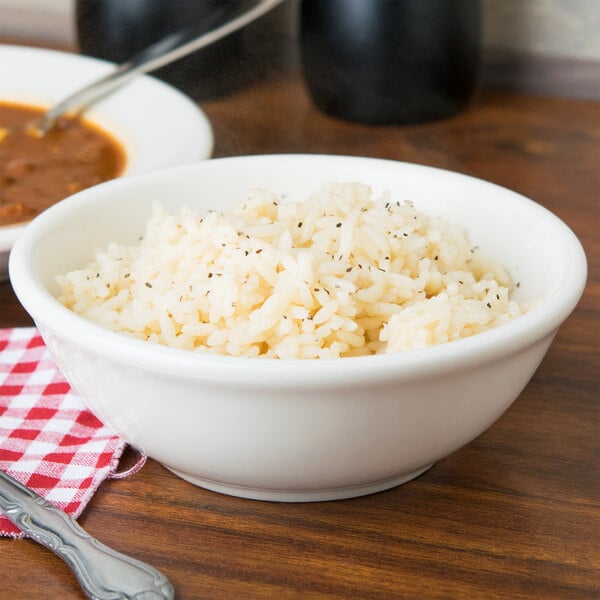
(157, 125)
(300, 430)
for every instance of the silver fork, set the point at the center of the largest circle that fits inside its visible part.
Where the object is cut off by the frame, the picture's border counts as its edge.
(103, 573)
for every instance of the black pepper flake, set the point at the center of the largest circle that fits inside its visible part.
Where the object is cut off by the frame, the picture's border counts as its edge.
(348, 269)
(497, 296)
(148, 284)
(97, 275)
(300, 224)
(436, 257)
(246, 252)
(259, 251)
(405, 234)
(210, 275)
(488, 305)
(338, 224)
(126, 275)
(518, 284)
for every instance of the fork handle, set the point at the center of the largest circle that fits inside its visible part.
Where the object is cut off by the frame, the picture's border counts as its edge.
(103, 573)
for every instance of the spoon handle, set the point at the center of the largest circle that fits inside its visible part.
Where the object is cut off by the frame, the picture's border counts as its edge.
(103, 573)
(165, 51)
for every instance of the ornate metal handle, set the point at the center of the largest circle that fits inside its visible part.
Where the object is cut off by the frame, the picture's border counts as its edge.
(104, 573)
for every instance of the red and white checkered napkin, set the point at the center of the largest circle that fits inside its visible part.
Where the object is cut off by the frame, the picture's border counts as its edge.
(49, 441)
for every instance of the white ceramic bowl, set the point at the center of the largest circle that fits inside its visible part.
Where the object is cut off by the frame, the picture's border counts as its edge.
(300, 430)
(157, 125)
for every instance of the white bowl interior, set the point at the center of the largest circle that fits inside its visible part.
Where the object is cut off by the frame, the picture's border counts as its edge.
(508, 227)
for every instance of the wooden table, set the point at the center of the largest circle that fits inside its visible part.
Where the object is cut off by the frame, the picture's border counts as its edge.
(513, 515)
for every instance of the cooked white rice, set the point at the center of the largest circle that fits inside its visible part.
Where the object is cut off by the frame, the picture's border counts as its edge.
(342, 274)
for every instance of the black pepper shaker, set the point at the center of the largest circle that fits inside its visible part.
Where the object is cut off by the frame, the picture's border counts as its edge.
(116, 30)
(390, 61)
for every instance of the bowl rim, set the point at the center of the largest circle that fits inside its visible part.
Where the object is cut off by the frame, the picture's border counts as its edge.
(540, 322)
(10, 232)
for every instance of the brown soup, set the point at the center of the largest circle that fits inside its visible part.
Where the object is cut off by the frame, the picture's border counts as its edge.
(36, 172)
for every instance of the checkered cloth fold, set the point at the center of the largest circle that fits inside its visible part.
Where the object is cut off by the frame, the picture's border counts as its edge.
(49, 441)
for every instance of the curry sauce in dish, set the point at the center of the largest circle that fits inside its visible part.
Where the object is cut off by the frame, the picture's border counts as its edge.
(38, 171)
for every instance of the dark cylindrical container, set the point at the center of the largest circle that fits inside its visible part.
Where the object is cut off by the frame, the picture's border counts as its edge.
(117, 29)
(390, 61)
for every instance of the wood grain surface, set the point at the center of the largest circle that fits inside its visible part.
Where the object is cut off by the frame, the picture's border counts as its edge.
(514, 514)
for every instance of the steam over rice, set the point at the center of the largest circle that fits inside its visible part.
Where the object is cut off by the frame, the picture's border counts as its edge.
(342, 274)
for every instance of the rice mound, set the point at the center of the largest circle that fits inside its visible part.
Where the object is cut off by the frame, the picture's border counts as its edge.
(342, 274)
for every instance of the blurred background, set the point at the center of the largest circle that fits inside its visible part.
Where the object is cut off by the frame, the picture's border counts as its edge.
(519, 37)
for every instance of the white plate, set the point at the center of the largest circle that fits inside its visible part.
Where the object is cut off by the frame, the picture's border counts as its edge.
(157, 124)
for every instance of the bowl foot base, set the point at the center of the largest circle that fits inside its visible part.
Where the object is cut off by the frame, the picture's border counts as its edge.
(318, 495)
